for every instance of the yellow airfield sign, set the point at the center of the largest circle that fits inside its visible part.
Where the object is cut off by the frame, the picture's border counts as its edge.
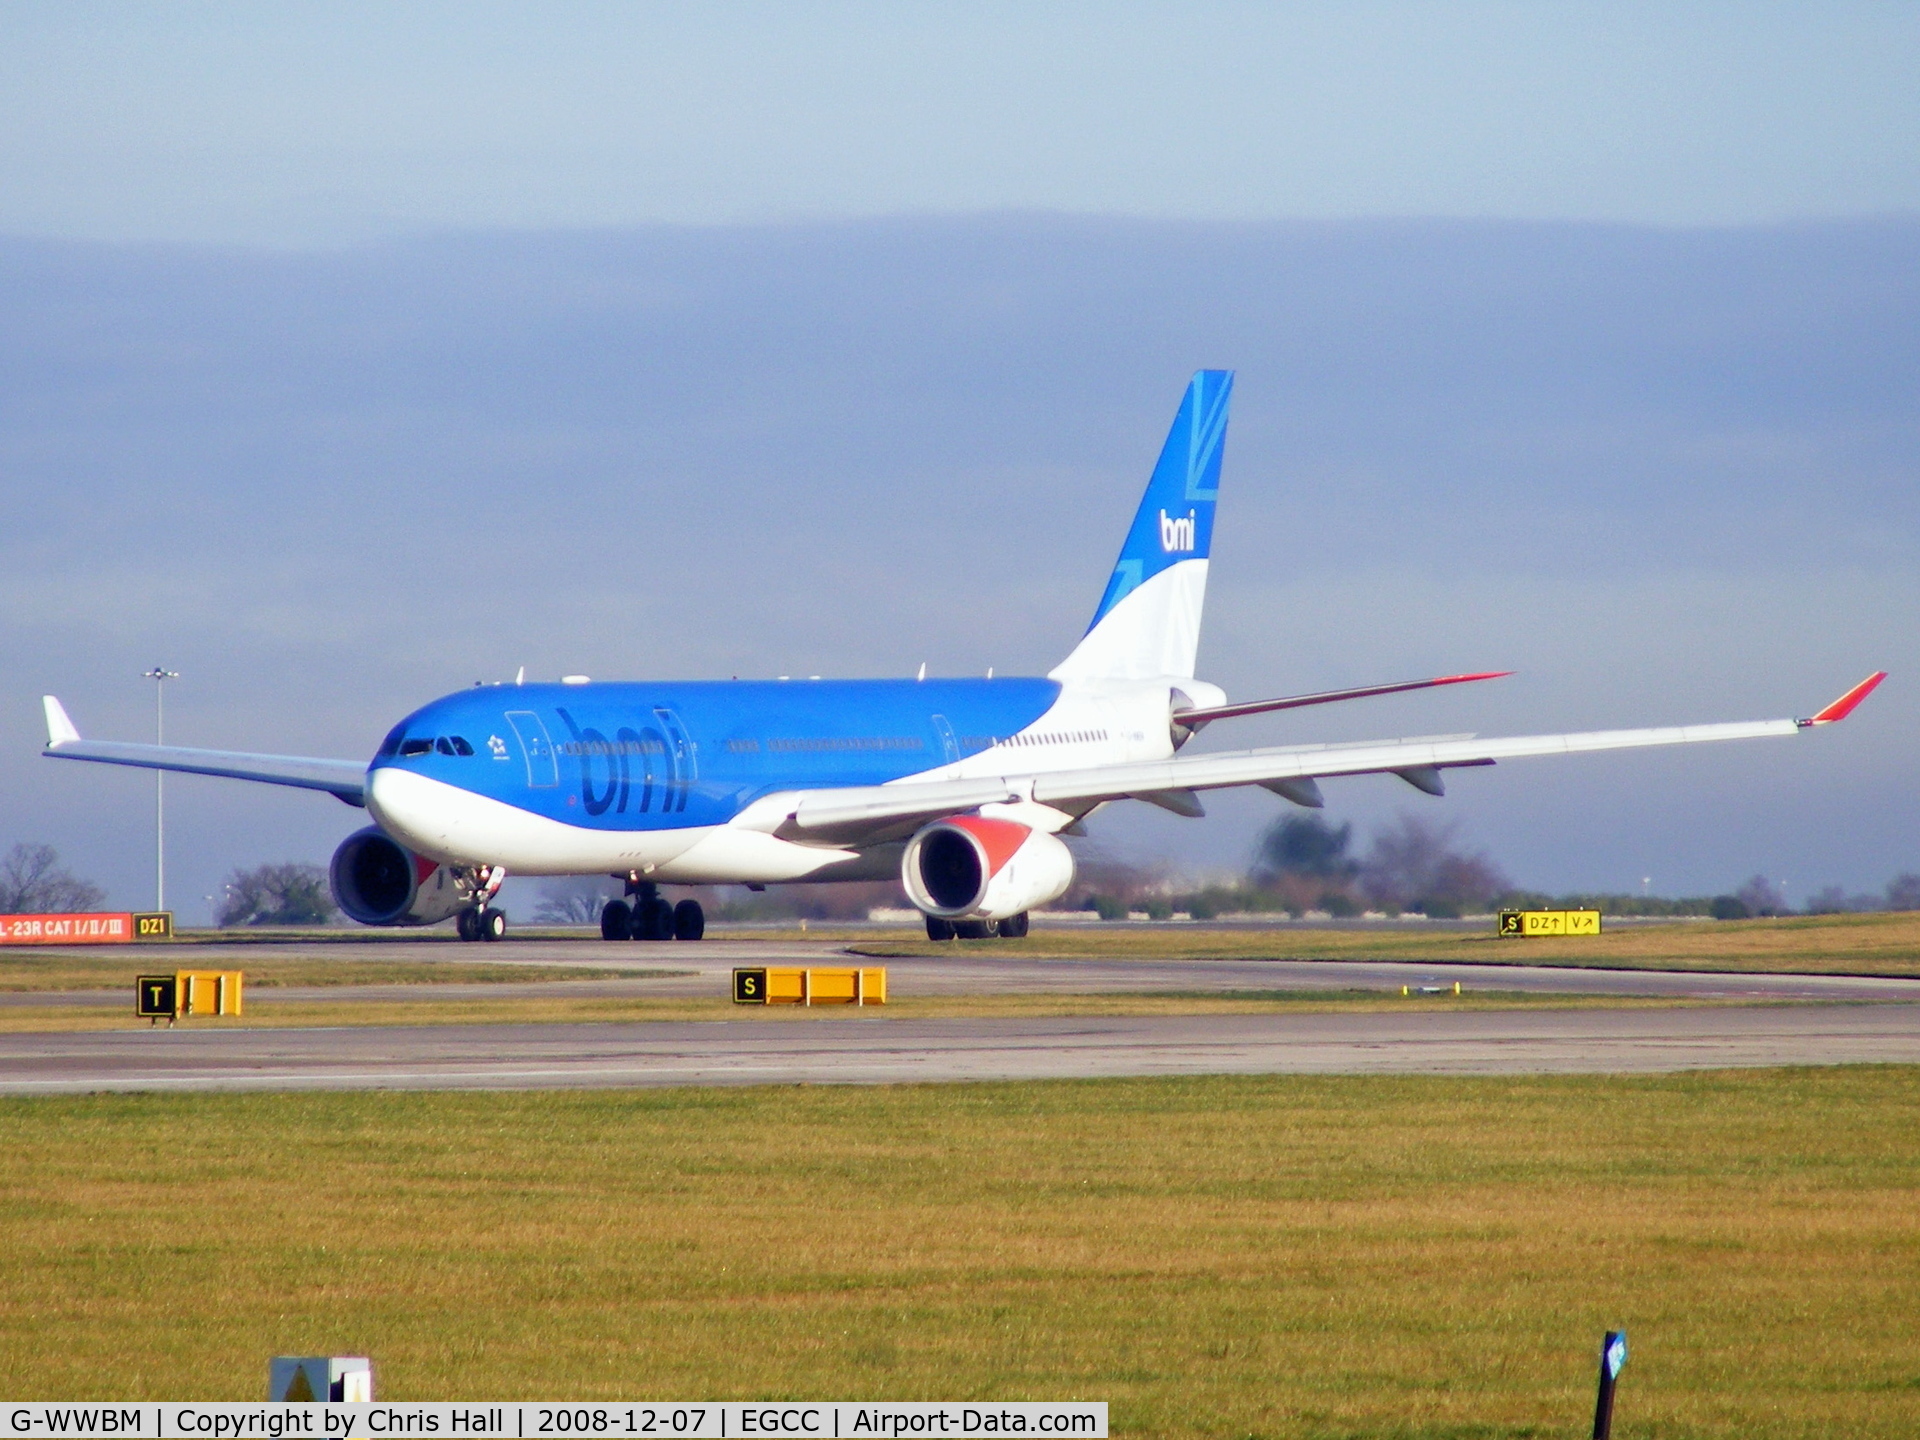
(1529, 924)
(810, 985)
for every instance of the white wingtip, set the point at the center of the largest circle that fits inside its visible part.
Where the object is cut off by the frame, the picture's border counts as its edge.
(60, 729)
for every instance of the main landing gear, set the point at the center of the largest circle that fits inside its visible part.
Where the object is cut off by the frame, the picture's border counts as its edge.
(651, 916)
(481, 922)
(1014, 927)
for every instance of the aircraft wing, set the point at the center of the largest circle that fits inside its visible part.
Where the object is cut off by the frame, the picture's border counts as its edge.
(344, 778)
(877, 812)
(1419, 760)
(868, 814)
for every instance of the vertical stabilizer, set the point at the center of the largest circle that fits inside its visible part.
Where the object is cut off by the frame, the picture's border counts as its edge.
(1148, 622)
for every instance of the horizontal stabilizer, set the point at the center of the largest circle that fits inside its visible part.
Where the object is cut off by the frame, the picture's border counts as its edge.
(1194, 717)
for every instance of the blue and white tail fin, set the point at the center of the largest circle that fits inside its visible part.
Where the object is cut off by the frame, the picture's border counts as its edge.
(1148, 623)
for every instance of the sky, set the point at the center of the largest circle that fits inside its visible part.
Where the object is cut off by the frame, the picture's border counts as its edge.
(296, 124)
(351, 354)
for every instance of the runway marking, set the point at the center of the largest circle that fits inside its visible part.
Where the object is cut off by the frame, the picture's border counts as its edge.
(682, 1053)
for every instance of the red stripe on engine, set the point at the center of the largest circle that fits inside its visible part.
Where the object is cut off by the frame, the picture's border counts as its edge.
(999, 838)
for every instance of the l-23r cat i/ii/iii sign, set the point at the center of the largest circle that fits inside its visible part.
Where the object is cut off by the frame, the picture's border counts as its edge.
(89, 929)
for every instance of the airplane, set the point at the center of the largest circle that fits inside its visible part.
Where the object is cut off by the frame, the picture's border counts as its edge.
(960, 787)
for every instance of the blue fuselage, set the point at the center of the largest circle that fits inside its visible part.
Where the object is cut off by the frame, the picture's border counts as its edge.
(646, 756)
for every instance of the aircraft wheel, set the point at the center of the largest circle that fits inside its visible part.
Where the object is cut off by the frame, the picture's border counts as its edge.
(493, 924)
(616, 921)
(660, 925)
(938, 929)
(689, 920)
(1014, 927)
(653, 920)
(467, 924)
(973, 929)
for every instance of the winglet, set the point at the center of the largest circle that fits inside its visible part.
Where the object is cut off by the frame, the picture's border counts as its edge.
(1844, 706)
(60, 729)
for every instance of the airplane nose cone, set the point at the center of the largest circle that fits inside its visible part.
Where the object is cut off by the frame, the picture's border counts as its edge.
(399, 804)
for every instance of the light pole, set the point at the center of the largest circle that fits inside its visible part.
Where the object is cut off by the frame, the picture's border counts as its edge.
(160, 675)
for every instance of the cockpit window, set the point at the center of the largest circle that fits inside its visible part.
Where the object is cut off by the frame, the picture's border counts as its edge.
(453, 745)
(418, 745)
(391, 745)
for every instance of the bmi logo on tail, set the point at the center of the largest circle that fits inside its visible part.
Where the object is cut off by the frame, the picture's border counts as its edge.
(1176, 534)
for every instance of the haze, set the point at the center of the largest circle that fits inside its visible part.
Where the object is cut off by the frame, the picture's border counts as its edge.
(349, 356)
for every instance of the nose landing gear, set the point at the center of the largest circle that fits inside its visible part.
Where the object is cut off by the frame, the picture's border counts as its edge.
(481, 922)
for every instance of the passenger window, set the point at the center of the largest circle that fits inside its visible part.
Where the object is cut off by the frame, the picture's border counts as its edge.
(418, 745)
(460, 745)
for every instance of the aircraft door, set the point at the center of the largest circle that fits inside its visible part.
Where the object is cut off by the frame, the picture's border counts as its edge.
(638, 751)
(543, 768)
(949, 746)
(683, 756)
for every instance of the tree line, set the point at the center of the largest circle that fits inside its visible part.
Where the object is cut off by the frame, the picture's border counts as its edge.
(1301, 864)
(34, 882)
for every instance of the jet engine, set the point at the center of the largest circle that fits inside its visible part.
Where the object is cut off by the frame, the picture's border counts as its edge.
(970, 866)
(378, 881)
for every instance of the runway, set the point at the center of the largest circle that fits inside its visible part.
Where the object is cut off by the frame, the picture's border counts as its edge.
(858, 1050)
(1759, 1020)
(706, 969)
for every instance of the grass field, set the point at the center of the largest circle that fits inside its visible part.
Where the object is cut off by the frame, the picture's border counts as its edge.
(1221, 1257)
(1886, 944)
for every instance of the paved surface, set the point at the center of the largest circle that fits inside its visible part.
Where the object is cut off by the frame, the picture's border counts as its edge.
(1862, 1020)
(851, 1049)
(969, 972)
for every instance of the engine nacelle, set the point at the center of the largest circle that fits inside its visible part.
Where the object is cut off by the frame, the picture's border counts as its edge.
(378, 881)
(971, 866)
